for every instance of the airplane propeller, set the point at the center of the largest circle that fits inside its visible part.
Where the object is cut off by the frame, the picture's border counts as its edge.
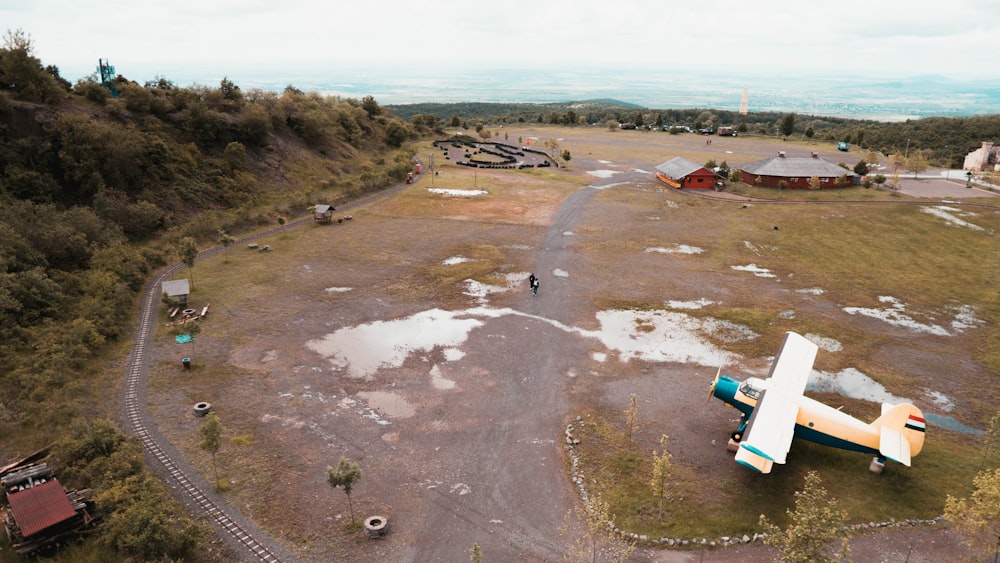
(715, 382)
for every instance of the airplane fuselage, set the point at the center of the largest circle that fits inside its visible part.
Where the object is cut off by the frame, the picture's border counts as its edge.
(815, 422)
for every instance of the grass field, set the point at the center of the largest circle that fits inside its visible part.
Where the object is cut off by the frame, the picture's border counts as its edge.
(856, 252)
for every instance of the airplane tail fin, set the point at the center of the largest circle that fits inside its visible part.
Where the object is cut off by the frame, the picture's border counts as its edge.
(902, 429)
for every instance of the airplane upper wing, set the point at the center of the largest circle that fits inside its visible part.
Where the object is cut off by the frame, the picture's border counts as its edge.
(790, 370)
(772, 425)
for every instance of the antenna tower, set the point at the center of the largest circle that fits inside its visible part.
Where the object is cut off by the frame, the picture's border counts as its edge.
(743, 102)
(107, 73)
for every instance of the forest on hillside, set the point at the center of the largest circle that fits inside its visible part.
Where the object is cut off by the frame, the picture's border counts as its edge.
(101, 182)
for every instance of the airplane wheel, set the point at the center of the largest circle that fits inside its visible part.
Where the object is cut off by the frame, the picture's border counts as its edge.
(737, 436)
(876, 466)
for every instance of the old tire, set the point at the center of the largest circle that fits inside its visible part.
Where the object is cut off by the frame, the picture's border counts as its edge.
(201, 409)
(376, 526)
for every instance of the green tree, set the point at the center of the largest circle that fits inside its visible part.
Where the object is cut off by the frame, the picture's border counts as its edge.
(476, 553)
(815, 524)
(861, 168)
(661, 475)
(566, 155)
(211, 440)
(188, 250)
(991, 440)
(787, 124)
(782, 185)
(346, 474)
(978, 517)
(897, 160)
(371, 107)
(456, 121)
(22, 73)
(916, 163)
(226, 240)
(879, 179)
(815, 183)
(810, 132)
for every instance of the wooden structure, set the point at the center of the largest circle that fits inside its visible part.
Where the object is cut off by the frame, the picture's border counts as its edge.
(40, 513)
(177, 289)
(795, 172)
(680, 172)
(323, 213)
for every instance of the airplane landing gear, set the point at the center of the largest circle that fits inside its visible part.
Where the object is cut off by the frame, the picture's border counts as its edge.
(877, 465)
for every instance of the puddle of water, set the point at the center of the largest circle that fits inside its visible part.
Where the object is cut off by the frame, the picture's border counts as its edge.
(756, 270)
(389, 403)
(460, 193)
(603, 173)
(677, 249)
(689, 304)
(364, 349)
(949, 214)
(949, 423)
(896, 315)
(456, 260)
(439, 381)
(337, 289)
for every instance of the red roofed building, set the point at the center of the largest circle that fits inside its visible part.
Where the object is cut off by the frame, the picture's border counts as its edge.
(680, 172)
(794, 171)
(40, 507)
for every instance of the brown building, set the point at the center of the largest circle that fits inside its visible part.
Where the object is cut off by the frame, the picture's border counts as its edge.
(680, 172)
(795, 171)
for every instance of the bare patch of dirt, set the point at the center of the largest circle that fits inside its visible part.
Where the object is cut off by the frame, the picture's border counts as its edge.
(463, 447)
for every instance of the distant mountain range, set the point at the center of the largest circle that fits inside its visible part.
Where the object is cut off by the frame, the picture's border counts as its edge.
(881, 98)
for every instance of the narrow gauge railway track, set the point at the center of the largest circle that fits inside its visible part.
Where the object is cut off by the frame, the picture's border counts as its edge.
(227, 519)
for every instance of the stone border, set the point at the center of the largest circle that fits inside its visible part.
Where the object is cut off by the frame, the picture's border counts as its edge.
(723, 541)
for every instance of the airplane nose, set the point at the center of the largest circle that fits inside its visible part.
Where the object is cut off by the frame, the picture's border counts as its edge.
(724, 389)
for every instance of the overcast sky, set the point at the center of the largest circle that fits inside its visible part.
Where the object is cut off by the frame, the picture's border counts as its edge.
(148, 38)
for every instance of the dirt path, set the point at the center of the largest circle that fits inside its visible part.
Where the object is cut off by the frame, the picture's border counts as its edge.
(460, 442)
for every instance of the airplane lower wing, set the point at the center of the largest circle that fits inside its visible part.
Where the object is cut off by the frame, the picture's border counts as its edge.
(772, 425)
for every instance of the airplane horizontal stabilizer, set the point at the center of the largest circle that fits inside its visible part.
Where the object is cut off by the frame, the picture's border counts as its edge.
(893, 445)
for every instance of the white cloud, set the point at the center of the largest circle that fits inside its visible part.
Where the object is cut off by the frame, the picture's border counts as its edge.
(144, 39)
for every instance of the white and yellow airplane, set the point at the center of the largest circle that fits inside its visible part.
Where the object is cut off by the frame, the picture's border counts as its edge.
(775, 409)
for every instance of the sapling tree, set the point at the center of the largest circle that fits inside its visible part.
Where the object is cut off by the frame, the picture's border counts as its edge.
(661, 475)
(813, 526)
(346, 474)
(188, 251)
(211, 439)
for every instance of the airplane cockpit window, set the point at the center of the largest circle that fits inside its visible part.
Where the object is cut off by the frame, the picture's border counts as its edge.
(749, 390)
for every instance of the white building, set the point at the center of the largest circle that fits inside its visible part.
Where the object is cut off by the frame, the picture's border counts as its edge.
(986, 157)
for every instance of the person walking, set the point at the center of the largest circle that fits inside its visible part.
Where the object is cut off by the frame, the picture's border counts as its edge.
(534, 285)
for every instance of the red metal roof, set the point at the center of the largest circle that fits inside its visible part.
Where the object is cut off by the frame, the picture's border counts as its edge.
(39, 507)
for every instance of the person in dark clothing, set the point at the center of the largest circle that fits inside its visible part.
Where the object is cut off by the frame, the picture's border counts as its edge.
(531, 281)
(534, 286)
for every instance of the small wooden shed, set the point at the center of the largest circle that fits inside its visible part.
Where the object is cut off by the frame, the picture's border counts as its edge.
(323, 213)
(177, 289)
